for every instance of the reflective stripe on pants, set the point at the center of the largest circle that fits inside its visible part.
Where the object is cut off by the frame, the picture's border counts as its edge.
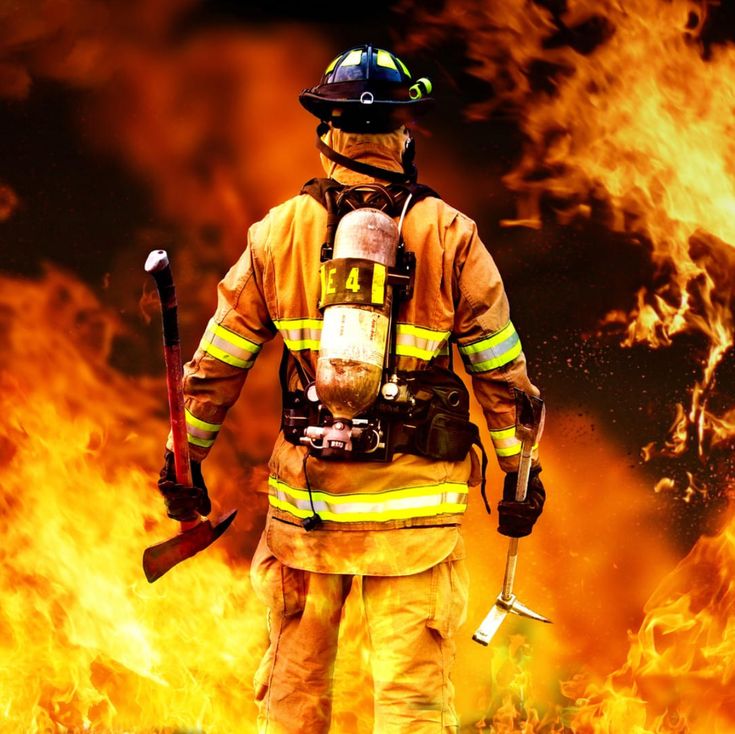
(411, 621)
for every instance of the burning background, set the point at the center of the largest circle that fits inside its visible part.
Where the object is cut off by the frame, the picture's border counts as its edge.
(592, 142)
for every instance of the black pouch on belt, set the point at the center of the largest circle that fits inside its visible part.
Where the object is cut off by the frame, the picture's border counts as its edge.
(442, 418)
(445, 436)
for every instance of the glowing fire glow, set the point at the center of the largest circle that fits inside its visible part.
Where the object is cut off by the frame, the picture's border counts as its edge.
(639, 126)
(627, 118)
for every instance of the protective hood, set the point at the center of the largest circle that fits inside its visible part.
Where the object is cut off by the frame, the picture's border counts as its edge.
(384, 150)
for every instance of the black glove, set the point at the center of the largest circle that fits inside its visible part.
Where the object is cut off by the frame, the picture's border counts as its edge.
(183, 503)
(516, 519)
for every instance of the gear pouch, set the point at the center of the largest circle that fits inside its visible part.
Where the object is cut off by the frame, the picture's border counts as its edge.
(446, 436)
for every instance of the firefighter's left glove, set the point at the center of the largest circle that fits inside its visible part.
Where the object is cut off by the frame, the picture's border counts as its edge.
(516, 519)
(183, 503)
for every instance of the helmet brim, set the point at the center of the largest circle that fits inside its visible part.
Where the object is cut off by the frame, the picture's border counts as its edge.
(379, 112)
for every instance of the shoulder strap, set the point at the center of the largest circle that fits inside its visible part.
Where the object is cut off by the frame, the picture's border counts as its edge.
(322, 188)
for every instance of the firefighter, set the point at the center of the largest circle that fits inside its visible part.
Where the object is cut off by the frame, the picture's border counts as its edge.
(373, 488)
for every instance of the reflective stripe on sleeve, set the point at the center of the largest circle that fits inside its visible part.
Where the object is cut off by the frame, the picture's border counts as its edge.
(228, 347)
(418, 341)
(506, 443)
(395, 504)
(201, 433)
(299, 334)
(493, 351)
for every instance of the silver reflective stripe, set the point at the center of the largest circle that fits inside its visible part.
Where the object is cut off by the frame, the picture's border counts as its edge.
(201, 433)
(420, 342)
(300, 334)
(411, 340)
(506, 443)
(424, 501)
(493, 351)
(229, 347)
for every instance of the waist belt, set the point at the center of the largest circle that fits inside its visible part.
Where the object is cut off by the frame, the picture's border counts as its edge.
(431, 419)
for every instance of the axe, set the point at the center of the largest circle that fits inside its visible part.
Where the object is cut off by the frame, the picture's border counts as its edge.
(529, 426)
(195, 535)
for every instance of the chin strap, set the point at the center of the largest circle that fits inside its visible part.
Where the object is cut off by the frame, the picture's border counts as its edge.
(409, 173)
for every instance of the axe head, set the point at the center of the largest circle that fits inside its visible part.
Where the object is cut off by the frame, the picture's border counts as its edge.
(500, 610)
(530, 415)
(164, 556)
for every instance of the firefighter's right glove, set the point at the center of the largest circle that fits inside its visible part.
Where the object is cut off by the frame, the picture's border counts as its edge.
(183, 503)
(516, 519)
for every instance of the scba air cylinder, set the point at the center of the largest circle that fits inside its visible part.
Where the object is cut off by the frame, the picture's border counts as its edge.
(356, 302)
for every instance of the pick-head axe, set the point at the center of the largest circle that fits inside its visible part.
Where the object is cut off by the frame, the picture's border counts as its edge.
(529, 426)
(195, 535)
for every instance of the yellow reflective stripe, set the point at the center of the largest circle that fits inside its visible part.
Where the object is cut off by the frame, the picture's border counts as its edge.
(512, 450)
(298, 324)
(409, 338)
(332, 64)
(494, 339)
(509, 451)
(353, 58)
(378, 287)
(422, 332)
(299, 344)
(493, 351)
(443, 509)
(385, 59)
(503, 433)
(201, 433)
(494, 362)
(192, 420)
(223, 356)
(421, 490)
(403, 66)
(205, 443)
(406, 350)
(228, 347)
(235, 339)
(506, 443)
(394, 504)
(299, 334)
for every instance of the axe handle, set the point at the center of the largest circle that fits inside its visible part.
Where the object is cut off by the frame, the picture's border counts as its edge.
(511, 561)
(160, 268)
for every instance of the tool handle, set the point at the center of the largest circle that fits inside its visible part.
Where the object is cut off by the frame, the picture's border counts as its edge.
(511, 561)
(524, 470)
(159, 267)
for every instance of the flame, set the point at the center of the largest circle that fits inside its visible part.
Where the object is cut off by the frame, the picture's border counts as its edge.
(89, 645)
(86, 641)
(627, 116)
(8, 202)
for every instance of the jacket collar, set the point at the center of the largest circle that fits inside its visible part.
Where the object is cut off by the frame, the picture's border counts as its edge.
(384, 150)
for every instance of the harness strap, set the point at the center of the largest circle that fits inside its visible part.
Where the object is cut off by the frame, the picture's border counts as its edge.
(483, 481)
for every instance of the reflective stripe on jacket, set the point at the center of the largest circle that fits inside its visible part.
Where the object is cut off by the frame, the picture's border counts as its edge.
(275, 287)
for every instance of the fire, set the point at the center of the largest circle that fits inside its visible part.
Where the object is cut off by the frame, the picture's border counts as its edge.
(86, 641)
(627, 114)
(622, 124)
(624, 116)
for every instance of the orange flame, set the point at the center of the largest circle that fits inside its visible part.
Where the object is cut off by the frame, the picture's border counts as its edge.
(627, 119)
(89, 644)
(624, 116)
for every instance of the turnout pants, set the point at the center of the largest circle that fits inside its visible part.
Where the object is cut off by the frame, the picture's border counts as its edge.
(410, 620)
